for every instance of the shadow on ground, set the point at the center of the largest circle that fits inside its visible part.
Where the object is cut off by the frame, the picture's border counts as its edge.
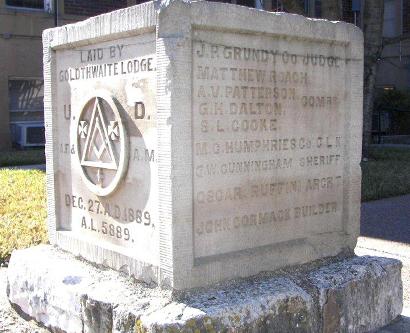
(387, 219)
(399, 325)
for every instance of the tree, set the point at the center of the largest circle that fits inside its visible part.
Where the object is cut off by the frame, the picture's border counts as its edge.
(373, 46)
(373, 11)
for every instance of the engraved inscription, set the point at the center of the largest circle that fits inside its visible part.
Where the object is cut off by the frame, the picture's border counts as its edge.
(267, 142)
(106, 139)
(102, 145)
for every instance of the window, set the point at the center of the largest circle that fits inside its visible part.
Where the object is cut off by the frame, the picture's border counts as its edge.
(26, 95)
(33, 4)
(318, 9)
(94, 7)
(391, 23)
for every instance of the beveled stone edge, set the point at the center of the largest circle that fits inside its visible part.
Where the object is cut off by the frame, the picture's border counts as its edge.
(235, 19)
(144, 17)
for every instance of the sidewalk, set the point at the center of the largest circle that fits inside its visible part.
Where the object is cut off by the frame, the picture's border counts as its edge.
(400, 251)
(385, 231)
(387, 219)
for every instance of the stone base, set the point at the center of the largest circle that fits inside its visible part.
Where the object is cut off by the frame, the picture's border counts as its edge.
(356, 294)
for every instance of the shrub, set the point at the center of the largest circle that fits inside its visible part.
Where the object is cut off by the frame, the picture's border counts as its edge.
(22, 157)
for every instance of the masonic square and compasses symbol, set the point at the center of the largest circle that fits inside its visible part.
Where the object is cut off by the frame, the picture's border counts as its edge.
(101, 145)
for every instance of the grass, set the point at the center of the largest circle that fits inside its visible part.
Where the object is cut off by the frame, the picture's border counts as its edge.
(22, 210)
(22, 157)
(386, 173)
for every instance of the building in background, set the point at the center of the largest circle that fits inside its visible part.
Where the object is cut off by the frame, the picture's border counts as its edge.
(21, 62)
(394, 65)
(391, 115)
(22, 23)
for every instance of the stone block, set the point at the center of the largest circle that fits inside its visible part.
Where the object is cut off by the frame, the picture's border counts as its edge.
(194, 142)
(357, 294)
(347, 288)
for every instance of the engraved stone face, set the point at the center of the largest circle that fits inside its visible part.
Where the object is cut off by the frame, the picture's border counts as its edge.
(268, 138)
(105, 149)
(205, 142)
(102, 145)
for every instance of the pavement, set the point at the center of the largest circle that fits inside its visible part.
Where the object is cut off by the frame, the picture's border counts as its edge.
(400, 325)
(385, 231)
(387, 219)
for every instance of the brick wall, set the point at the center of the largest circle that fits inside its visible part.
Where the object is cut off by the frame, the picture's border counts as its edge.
(92, 7)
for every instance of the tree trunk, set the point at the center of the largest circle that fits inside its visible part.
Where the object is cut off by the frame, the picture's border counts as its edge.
(373, 11)
(373, 46)
(332, 10)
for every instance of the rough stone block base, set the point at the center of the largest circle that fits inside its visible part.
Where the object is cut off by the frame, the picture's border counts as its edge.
(355, 294)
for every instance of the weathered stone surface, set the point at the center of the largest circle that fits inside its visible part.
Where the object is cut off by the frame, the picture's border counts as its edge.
(63, 292)
(193, 142)
(356, 294)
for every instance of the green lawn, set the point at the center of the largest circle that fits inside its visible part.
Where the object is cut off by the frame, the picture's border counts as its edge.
(386, 173)
(22, 210)
(22, 157)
